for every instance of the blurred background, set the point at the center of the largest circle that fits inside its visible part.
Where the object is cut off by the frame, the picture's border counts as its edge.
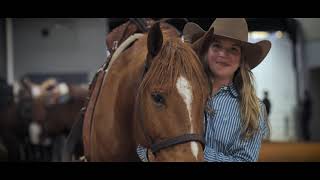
(46, 65)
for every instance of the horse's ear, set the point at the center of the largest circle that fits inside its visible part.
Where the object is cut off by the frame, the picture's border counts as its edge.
(155, 40)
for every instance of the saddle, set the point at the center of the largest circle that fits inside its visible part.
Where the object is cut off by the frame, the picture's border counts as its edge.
(59, 94)
(118, 35)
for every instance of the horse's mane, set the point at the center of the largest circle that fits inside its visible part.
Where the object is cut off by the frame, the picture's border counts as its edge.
(174, 58)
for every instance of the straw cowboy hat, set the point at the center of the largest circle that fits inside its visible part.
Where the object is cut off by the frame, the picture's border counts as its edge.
(233, 28)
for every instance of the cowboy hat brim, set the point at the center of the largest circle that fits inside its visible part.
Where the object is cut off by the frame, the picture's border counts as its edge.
(254, 53)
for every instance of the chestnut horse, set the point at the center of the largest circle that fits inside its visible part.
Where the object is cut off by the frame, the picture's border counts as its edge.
(152, 94)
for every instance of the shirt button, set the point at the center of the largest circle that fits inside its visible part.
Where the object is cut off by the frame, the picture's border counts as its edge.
(225, 88)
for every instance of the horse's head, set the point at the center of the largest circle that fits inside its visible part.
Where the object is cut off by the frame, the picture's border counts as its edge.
(171, 99)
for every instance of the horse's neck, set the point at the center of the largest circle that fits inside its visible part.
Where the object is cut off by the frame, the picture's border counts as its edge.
(123, 46)
(124, 74)
(114, 107)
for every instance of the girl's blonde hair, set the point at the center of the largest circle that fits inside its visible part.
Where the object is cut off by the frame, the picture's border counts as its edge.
(249, 102)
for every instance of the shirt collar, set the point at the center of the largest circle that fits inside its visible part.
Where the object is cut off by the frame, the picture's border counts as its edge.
(232, 90)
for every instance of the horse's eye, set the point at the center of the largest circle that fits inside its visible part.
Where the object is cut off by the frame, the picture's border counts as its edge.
(158, 98)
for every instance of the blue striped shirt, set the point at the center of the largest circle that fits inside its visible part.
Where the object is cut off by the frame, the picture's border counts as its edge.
(223, 130)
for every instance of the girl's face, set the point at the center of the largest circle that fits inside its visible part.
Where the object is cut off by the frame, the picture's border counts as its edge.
(224, 57)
